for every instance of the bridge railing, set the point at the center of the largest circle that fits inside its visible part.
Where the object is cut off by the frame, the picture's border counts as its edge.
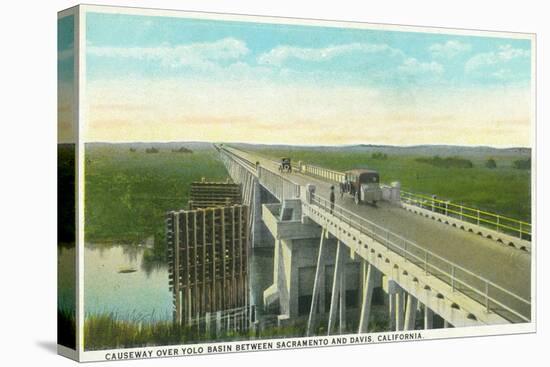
(325, 173)
(495, 298)
(281, 187)
(483, 218)
(227, 154)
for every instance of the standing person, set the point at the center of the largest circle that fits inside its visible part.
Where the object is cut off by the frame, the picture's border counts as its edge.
(332, 198)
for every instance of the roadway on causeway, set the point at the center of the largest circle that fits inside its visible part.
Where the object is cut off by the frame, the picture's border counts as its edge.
(505, 266)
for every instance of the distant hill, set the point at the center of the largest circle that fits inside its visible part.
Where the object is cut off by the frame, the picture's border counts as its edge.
(420, 150)
(142, 146)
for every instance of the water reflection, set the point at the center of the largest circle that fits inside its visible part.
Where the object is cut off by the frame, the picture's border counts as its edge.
(151, 266)
(109, 287)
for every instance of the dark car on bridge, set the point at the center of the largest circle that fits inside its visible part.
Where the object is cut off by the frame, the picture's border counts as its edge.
(362, 185)
(284, 165)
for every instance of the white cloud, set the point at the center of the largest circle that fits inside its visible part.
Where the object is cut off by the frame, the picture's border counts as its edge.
(280, 54)
(388, 62)
(449, 49)
(505, 53)
(200, 55)
(412, 66)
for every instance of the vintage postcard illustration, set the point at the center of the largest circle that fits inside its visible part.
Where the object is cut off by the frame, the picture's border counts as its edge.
(235, 183)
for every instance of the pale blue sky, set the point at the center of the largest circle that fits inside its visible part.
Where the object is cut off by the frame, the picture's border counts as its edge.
(378, 67)
(359, 55)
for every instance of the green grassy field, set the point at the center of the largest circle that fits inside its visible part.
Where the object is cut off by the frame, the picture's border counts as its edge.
(127, 193)
(503, 190)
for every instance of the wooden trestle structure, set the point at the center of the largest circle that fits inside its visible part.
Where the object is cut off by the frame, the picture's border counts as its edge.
(206, 194)
(207, 255)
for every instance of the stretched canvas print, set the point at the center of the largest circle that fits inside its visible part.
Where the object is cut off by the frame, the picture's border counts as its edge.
(235, 183)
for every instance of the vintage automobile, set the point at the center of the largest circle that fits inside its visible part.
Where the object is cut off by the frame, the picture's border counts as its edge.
(363, 185)
(285, 166)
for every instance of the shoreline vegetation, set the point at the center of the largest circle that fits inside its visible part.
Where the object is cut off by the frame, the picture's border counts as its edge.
(108, 331)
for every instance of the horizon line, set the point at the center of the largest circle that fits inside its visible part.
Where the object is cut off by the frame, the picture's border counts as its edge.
(307, 145)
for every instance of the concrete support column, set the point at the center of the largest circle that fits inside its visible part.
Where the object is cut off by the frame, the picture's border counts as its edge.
(428, 318)
(256, 213)
(322, 286)
(276, 260)
(391, 305)
(342, 323)
(368, 287)
(396, 305)
(292, 287)
(316, 285)
(400, 309)
(410, 312)
(338, 265)
(281, 278)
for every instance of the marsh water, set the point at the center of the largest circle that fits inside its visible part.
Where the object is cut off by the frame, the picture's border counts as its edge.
(118, 280)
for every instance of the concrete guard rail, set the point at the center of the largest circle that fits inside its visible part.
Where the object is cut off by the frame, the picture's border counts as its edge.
(279, 186)
(325, 173)
(494, 297)
(497, 222)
